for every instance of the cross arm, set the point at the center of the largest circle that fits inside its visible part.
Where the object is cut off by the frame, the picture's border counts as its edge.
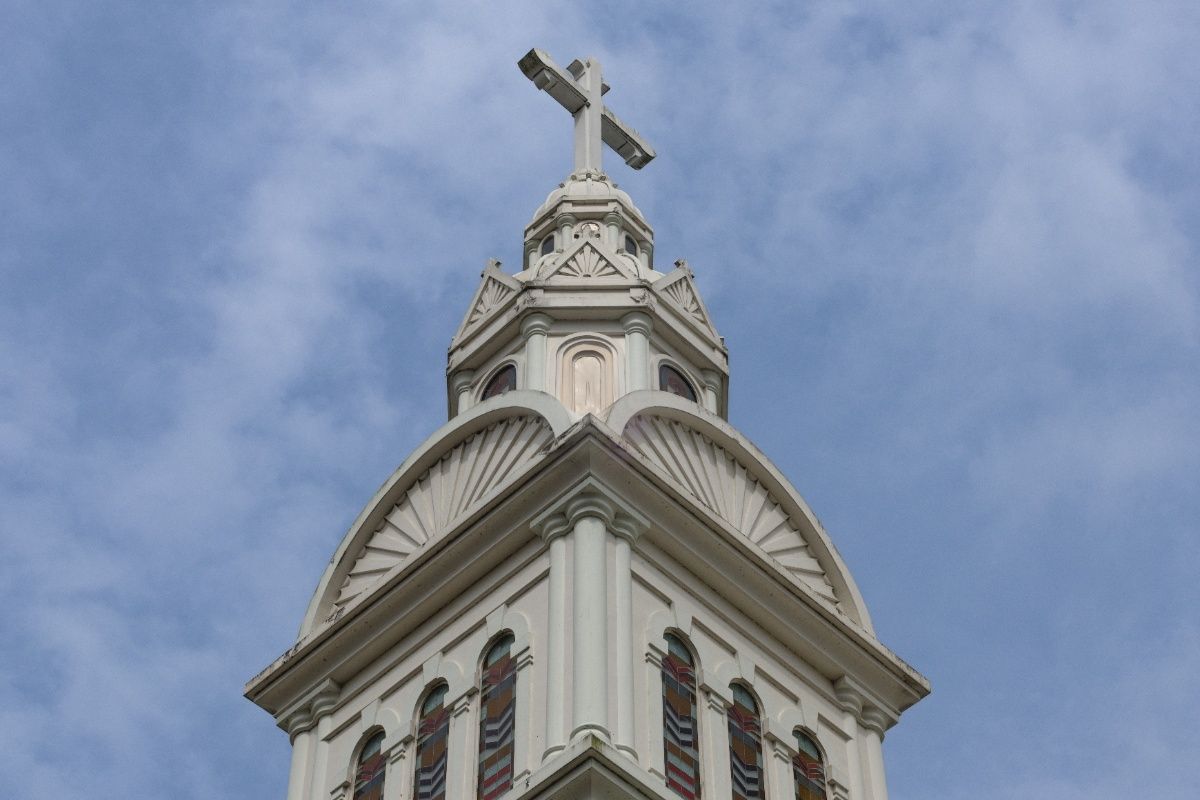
(629, 145)
(552, 79)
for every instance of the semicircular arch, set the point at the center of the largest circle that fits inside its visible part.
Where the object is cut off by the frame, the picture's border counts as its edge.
(724, 471)
(455, 470)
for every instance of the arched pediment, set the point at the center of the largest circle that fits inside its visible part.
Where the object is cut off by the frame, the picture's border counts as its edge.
(459, 468)
(711, 461)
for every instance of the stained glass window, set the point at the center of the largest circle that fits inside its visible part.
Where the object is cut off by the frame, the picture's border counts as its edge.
(680, 740)
(503, 381)
(497, 717)
(672, 380)
(808, 768)
(745, 746)
(433, 733)
(368, 777)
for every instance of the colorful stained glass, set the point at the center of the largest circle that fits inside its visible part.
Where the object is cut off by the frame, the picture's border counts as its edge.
(680, 740)
(808, 769)
(368, 777)
(497, 719)
(745, 746)
(672, 380)
(433, 734)
(503, 381)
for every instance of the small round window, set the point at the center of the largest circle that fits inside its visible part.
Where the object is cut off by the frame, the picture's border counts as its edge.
(672, 380)
(503, 381)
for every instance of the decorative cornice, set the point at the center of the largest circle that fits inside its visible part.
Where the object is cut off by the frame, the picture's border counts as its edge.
(875, 719)
(304, 715)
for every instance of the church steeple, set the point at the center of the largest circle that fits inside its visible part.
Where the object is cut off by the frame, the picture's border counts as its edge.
(588, 318)
(587, 584)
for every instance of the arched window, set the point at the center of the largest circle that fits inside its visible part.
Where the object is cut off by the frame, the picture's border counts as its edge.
(630, 245)
(433, 732)
(672, 380)
(368, 776)
(681, 760)
(497, 717)
(808, 768)
(548, 245)
(745, 746)
(503, 381)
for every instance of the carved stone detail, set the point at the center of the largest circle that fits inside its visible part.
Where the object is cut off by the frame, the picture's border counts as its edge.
(491, 294)
(588, 262)
(731, 491)
(443, 494)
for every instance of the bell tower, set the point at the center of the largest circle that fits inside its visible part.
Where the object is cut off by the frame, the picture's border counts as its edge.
(587, 583)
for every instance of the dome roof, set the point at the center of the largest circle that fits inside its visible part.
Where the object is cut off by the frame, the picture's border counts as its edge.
(589, 187)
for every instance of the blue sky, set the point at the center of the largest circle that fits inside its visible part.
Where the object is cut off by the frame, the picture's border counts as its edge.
(952, 247)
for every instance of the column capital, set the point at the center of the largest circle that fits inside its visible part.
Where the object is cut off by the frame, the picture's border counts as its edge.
(589, 498)
(462, 379)
(849, 696)
(876, 719)
(637, 322)
(298, 722)
(535, 323)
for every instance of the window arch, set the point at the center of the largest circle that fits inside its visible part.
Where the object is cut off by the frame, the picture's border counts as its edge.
(504, 380)
(673, 381)
(433, 733)
(497, 718)
(370, 769)
(681, 756)
(745, 745)
(808, 768)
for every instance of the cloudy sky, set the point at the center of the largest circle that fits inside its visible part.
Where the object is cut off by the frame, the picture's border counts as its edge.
(952, 246)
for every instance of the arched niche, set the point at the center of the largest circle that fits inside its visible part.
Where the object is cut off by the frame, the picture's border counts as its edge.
(587, 375)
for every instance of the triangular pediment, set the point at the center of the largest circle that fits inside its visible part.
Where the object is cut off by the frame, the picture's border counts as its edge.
(589, 261)
(679, 289)
(496, 289)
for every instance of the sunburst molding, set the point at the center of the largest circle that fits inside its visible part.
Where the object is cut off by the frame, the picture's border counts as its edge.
(731, 491)
(443, 494)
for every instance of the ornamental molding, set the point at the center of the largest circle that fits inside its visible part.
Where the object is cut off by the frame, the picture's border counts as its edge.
(439, 497)
(496, 289)
(678, 288)
(730, 489)
(589, 498)
(588, 261)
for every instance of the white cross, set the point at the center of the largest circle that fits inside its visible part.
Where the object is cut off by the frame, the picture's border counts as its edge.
(579, 89)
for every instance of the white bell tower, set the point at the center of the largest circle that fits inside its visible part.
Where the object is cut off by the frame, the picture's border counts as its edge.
(587, 583)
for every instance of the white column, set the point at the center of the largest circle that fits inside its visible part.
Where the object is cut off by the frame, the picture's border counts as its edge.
(637, 351)
(461, 761)
(461, 385)
(554, 531)
(534, 329)
(612, 224)
(851, 703)
(714, 744)
(299, 727)
(321, 756)
(646, 254)
(397, 781)
(777, 758)
(589, 517)
(875, 723)
(712, 390)
(566, 224)
(626, 531)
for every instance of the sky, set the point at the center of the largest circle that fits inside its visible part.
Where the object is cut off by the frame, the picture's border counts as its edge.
(952, 248)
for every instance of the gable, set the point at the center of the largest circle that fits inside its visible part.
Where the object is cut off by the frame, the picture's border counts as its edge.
(495, 289)
(679, 289)
(589, 261)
